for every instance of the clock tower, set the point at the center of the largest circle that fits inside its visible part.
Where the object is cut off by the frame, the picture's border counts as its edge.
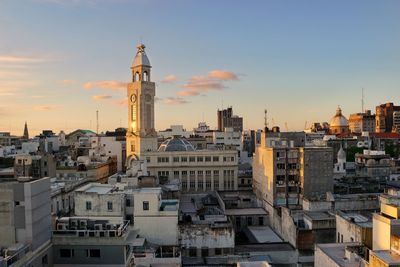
(141, 135)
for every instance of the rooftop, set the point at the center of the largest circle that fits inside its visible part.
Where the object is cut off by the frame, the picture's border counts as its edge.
(337, 251)
(97, 188)
(387, 256)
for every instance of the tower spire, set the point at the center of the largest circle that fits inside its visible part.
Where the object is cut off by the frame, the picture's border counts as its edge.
(26, 133)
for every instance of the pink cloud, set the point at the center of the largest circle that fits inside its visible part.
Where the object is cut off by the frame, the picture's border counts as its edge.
(68, 82)
(46, 107)
(20, 59)
(101, 97)
(169, 79)
(174, 101)
(121, 102)
(223, 75)
(108, 85)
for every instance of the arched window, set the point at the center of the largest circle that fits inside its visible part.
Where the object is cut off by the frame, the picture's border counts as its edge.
(137, 76)
(145, 76)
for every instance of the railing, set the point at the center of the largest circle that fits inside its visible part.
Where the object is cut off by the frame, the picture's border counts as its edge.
(110, 233)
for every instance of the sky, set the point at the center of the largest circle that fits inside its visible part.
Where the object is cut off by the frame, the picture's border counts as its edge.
(61, 60)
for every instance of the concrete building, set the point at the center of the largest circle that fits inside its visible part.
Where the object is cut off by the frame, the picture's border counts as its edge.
(83, 241)
(227, 119)
(282, 173)
(6, 139)
(109, 146)
(36, 166)
(396, 121)
(362, 122)
(385, 116)
(100, 200)
(155, 218)
(353, 227)
(372, 163)
(204, 229)
(350, 254)
(197, 170)
(25, 222)
(174, 130)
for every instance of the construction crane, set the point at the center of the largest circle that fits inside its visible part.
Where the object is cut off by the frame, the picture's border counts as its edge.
(286, 127)
(305, 125)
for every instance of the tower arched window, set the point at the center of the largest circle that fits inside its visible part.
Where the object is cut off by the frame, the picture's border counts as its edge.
(137, 76)
(145, 76)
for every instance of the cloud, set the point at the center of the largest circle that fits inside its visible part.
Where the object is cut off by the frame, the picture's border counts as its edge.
(68, 82)
(214, 81)
(46, 107)
(223, 75)
(21, 59)
(198, 84)
(101, 97)
(107, 85)
(121, 102)
(174, 101)
(169, 79)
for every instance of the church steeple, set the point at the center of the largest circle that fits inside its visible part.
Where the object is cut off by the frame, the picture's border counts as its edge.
(26, 133)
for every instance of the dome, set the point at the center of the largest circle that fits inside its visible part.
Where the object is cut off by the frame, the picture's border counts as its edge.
(176, 144)
(141, 58)
(339, 120)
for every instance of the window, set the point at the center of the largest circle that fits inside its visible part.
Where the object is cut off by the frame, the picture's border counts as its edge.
(207, 159)
(215, 158)
(148, 159)
(260, 221)
(145, 205)
(204, 252)
(280, 166)
(88, 205)
(93, 253)
(218, 251)
(66, 253)
(109, 206)
(192, 159)
(199, 173)
(192, 252)
(184, 159)
(249, 221)
(200, 159)
(176, 159)
(45, 260)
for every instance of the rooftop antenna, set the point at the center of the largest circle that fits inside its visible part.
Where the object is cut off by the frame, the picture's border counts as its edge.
(97, 122)
(265, 118)
(362, 100)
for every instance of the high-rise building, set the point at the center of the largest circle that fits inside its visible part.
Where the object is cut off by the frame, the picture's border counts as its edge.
(384, 117)
(283, 172)
(227, 119)
(362, 122)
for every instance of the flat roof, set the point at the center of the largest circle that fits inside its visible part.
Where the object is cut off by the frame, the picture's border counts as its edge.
(263, 234)
(336, 252)
(387, 256)
(319, 215)
(246, 211)
(99, 189)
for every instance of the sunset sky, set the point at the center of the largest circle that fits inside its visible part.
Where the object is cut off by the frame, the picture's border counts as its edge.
(61, 60)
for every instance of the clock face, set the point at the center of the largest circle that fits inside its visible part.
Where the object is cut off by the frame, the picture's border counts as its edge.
(133, 98)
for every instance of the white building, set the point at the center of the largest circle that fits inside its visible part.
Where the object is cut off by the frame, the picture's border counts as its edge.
(95, 199)
(156, 219)
(174, 130)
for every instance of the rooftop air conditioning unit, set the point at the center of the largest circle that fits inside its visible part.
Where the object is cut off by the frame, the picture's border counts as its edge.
(62, 226)
(98, 227)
